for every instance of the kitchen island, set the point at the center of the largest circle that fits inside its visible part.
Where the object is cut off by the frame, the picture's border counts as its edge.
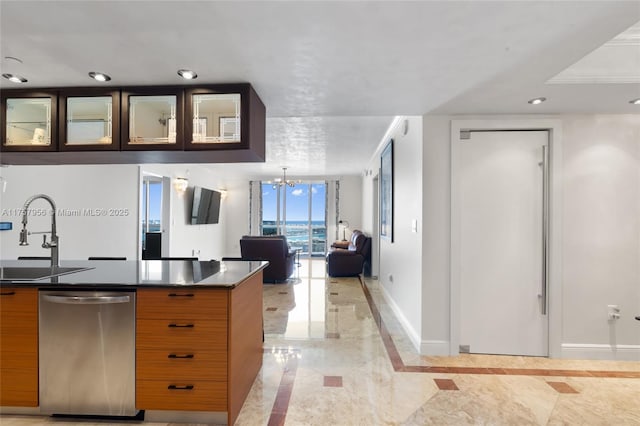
(196, 350)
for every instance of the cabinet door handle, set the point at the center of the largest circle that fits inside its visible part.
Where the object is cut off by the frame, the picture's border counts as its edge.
(174, 325)
(7, 293)
(180, 387)
(187, 356)
(181, 295)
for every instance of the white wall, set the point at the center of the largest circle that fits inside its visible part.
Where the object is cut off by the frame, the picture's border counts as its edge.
(350, 206)
(75, 190)
(436, 232)
(207, 241)
(600, 233)
(237, 223)
(400, 272)
(601, 256)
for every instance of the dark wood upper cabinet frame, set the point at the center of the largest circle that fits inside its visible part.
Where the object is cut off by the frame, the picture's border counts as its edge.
(178, 92)
(252, 118)
(251, 147)
(87, 93)
(24, 94)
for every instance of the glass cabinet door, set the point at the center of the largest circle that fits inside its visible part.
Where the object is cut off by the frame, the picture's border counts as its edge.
(152, 121)
(217, 117)
(89, 122)
(29, 122)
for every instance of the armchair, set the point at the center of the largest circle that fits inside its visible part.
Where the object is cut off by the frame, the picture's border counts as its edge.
(349, 261)
(274, 249)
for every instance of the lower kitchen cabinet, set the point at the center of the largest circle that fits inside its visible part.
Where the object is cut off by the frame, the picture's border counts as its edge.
(18, 347)
(182, 395)
(177, 333)
(198, 349)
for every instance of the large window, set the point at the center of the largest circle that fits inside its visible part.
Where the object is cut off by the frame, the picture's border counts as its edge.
(299, 212)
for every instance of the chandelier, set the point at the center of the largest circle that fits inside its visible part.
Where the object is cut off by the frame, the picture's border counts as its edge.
(278, 182)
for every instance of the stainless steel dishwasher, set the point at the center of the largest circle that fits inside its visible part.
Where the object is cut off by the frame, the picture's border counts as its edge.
(87, 352)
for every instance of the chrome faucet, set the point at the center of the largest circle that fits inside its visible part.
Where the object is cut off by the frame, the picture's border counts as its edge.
(54, 244)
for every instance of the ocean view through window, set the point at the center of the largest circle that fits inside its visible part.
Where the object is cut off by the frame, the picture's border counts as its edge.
(298, 212)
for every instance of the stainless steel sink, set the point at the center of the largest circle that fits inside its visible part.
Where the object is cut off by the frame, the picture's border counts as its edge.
(26, 273)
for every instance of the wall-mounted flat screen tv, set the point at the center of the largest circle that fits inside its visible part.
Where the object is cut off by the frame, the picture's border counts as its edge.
(206, 206)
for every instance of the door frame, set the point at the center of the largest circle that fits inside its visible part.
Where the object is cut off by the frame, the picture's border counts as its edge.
(554, 255)
(375, 220)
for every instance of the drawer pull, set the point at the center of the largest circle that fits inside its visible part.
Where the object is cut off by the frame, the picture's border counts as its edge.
(7, 293)
(179, 387)
(187, 356)
(174, 325)
(181, 295)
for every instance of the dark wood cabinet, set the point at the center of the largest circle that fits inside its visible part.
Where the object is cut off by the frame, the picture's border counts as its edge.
(89, 120)
(151, 124)
(29, 121)
(152, 118)
(225, 116)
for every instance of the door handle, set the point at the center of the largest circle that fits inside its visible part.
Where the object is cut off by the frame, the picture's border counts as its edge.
(638, 318)
(86, 300)
(180, 387)
(7, 293)
(545, 229)
(181, 295)
(174, 325)
(176, 356)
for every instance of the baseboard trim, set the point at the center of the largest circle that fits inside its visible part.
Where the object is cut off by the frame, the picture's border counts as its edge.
(601, 352)
(162, 416)
(413, 335)
(24, 411)
(435, 348)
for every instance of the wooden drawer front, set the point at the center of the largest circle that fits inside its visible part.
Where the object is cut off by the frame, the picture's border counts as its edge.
(18, 332)
(203, 335)
(20, 360)
(19, 387)
(204, 396)
(23, 300)
(155, 365)
(182, 304)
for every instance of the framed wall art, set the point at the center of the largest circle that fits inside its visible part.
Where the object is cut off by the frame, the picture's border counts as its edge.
(386, 192)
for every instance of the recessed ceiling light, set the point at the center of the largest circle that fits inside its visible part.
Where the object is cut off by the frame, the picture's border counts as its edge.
(99, 76)
(187, 74)
(635, 101)
(536, 101)
(15, 78)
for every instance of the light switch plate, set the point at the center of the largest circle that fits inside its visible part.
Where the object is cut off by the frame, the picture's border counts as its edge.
(414, 225)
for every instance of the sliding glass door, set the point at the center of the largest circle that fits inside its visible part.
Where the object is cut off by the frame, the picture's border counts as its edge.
(299, 212)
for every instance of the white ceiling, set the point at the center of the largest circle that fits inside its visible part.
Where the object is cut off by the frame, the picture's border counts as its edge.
(331, 74)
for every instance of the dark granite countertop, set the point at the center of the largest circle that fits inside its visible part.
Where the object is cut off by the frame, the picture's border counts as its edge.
(142, 273)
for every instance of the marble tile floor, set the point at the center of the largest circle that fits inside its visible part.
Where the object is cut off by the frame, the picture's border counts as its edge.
(334, 354)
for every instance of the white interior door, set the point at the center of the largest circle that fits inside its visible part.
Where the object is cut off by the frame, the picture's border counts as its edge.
(502, 260)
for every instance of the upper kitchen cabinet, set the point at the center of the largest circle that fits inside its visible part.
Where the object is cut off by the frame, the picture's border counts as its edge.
(89, 120)
(217, 123)
(29, 121)
(224, 117)
(152, 119)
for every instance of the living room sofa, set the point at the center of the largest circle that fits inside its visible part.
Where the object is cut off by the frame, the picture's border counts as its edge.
(349, 258)
(274, 249)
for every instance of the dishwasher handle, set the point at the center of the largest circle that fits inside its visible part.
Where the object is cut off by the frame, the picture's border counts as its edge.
(87, 300)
